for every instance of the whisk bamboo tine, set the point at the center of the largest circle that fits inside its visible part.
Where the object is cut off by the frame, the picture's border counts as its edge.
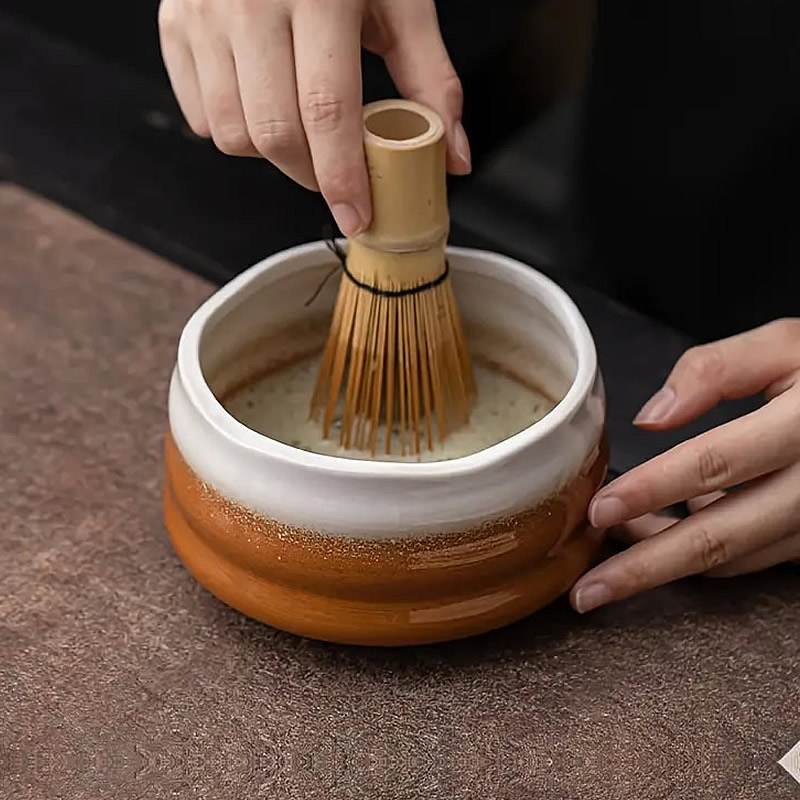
(464, 359)
(402, 375)
(371, 383)
(389, 397)
(341, 336)
(428, 306)
(423, 332)
(379, 354)
(365, 384)
(327, 361)
(412, 377)
(356, 385)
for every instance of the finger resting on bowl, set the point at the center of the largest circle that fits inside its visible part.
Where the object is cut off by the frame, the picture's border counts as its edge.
(742, 523)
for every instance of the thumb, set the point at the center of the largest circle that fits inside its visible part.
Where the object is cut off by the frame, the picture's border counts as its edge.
(418, 62)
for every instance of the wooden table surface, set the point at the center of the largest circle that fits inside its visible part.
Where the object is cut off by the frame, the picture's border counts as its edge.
(120, 677)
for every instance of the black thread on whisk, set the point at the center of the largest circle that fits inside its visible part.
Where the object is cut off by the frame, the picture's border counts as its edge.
(334, 247)
(341, 256)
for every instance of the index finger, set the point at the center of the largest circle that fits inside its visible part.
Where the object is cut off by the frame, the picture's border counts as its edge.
(764, 441)
(734, 526)
(327, 52)
(740, 366)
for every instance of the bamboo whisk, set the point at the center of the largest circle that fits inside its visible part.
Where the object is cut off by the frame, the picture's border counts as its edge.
(396, 356)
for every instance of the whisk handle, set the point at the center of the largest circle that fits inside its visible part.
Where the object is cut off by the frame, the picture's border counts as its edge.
(406, 158)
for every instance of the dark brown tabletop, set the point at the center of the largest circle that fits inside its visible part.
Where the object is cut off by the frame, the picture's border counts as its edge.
(120, 677)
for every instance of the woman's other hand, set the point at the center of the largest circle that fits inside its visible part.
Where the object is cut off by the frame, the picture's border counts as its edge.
(728, 532)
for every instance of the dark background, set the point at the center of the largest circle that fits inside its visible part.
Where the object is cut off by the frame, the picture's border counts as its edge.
(691, 164)
(657, 161)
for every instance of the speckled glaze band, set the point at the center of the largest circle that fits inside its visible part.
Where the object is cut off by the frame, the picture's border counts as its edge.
(383, 553)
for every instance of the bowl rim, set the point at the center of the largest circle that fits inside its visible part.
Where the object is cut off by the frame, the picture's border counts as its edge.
(215, 415)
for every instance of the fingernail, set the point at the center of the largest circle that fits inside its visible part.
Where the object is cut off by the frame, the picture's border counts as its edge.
(347, 218)
(591, 596)
(461, 145)
(607, 511)
(657, 408)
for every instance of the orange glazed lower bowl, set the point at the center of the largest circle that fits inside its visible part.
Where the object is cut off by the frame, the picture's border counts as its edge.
(382, 553)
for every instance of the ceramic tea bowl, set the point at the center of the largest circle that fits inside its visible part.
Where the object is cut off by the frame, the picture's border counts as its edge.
(375, 552)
